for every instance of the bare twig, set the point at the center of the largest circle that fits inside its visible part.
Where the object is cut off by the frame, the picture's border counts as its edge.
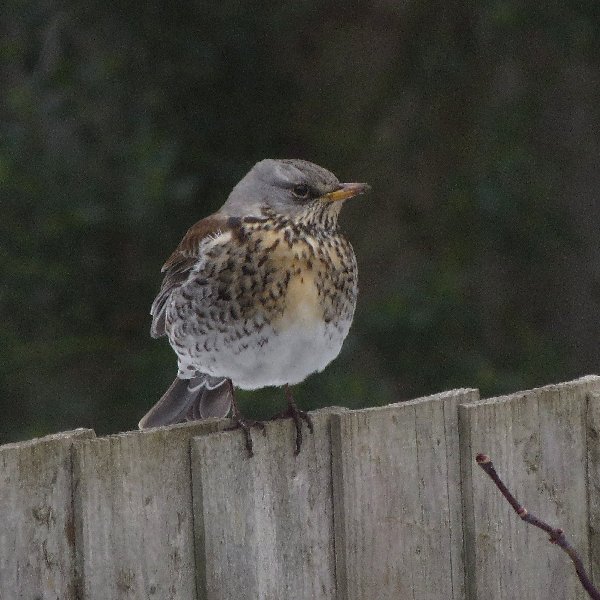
(557, 535)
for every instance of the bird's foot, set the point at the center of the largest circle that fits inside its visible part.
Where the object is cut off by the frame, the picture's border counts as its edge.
(292, 411)
(240, 422)
(245, 425)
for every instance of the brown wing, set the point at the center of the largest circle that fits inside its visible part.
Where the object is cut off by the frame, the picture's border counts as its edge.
(181, 262)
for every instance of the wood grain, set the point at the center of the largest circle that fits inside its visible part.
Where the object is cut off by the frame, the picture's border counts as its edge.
(537, 441)
(264, 526)
(37, 541)
(593, 446)
(396, 478)
(133, 514)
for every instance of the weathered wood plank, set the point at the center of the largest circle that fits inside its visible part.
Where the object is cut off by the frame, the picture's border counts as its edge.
(37, 545)
(133, 514)
(537, 441)
(396, 477)
(264, 525)
(593, 445)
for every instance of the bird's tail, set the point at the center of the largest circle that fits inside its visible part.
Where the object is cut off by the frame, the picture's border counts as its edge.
(201, 397)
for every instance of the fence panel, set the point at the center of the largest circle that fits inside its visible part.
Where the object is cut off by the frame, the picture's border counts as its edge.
(133, 514)
(397, 500)
(383, 503)
(37, 535)
(264, 525)
(537, 441)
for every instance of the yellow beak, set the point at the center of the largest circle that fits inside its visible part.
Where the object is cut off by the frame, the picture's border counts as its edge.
(346, 190)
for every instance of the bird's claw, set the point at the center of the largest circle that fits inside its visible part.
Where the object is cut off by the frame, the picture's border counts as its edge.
(245, 425)
(297, 415)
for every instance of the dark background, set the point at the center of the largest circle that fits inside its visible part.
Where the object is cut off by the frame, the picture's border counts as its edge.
(123, 123)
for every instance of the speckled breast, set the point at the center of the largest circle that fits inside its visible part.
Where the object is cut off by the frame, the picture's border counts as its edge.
(271, 303)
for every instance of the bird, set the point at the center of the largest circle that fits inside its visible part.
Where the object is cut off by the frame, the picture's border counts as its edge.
(261, 293)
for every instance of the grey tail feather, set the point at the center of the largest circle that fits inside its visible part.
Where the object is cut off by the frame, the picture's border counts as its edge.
(201, 397)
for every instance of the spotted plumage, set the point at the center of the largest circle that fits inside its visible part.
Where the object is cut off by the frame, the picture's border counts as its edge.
(261, 293)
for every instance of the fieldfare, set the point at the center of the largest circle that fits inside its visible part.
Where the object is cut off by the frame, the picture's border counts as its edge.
(261, 293)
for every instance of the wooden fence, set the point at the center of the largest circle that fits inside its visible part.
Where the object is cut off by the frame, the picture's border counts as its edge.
(382, 503)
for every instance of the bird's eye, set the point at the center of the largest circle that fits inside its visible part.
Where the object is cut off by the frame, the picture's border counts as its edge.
(301, 191)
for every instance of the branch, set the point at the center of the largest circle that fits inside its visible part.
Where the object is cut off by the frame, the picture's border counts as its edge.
(557, 536)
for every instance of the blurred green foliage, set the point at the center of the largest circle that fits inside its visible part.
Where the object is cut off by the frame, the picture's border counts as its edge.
(124, 123)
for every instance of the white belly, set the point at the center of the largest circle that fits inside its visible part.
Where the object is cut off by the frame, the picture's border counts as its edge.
(270, 357)
(287, 358)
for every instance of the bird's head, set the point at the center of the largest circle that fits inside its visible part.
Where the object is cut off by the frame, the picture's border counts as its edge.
(292, 188)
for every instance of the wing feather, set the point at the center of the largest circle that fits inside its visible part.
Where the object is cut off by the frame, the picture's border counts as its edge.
(180, 264)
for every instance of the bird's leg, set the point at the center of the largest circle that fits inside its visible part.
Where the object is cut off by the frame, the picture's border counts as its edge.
(240, 422)
(297, 415)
